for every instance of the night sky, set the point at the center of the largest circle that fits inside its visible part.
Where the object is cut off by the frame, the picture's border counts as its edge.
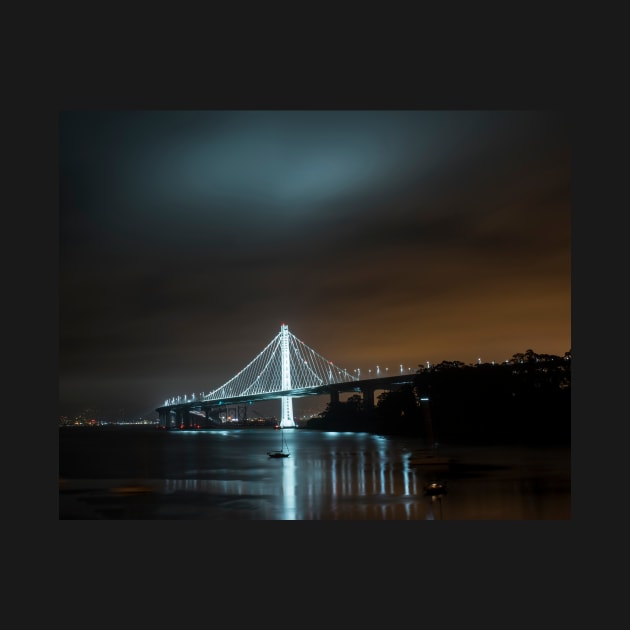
(380, 237)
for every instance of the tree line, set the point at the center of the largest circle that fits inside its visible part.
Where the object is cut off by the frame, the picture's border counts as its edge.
(526, 400)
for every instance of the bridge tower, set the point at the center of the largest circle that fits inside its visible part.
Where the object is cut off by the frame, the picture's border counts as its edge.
(286, 419)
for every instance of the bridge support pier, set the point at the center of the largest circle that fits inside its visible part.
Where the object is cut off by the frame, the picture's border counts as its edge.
(286, 417)
(334, 397)
(368, 396)
(163, 417)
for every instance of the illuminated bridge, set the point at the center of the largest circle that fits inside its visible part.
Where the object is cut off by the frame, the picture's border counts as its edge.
(287, 368)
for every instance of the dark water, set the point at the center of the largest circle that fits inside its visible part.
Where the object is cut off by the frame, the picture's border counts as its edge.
(227, 475)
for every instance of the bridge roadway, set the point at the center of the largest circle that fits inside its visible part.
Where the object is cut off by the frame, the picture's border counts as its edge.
(366, 387)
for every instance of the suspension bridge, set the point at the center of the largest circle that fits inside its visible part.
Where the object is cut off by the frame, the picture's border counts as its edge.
(286, 368)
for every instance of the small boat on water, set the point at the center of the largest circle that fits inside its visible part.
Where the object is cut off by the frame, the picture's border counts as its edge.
(277, 454)
(435, 488)
(281, 452)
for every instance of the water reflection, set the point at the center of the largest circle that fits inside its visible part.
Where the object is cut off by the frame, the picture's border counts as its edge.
(328, 476)
(288, 489)
(371, 482)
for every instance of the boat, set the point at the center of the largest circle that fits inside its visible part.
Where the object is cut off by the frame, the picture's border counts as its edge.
(281, 452)
(435, 488)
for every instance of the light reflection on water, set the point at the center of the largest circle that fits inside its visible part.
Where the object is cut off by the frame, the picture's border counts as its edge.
(328, 476)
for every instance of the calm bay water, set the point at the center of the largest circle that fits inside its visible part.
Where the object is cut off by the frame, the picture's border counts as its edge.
(149, 473)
